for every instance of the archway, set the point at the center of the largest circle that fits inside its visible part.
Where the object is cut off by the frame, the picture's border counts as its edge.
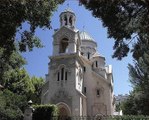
(64, 111)
(64, 45)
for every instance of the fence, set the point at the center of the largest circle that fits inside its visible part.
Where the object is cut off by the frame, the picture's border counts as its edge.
(100, 118)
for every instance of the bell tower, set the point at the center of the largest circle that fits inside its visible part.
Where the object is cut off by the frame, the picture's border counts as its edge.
(65, 75)
(67, 18)
(66, 38)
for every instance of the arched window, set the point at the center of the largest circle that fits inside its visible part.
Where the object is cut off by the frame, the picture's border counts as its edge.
(70, 20)
(96, 63)
(98, 92)
(65, 19)
(58, 76)
(62, 73)
(85, 90)
(64, 45)
(84, 69)
(66, 75)
(88, 55)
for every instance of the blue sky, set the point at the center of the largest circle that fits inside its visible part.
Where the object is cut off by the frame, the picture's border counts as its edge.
(37, 61)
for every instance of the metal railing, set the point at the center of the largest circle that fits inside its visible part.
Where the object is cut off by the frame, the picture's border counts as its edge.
(100, 118)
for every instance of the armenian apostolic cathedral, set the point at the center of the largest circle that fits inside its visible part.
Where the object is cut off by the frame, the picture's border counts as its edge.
(78, 81)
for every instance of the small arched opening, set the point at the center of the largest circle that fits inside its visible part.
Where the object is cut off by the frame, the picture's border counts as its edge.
(64, 45)
(70, 20)
(65, 20)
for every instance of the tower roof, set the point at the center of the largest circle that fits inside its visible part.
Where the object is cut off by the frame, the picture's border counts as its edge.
(85, 36)
(98, 55)
(68, 10)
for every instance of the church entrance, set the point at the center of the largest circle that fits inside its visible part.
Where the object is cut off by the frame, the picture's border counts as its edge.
(64, 111)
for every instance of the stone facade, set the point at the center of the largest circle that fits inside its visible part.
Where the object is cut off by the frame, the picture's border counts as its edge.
(78, 81)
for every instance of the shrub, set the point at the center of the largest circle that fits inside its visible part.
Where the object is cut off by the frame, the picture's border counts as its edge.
(129, 117)
(44, 112)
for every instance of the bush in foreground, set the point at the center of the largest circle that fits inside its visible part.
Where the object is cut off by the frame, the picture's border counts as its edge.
(44, 112)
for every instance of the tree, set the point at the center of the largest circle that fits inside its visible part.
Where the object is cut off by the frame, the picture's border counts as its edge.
(36, 95)
(139, 78)
(19, 88)
(127, 21)
(138, 102)
(118, 107)
(11, 105)
(129, 106)
(13, 13)
(13, 37)
(18, 85)
(18, 81)
(15, 61)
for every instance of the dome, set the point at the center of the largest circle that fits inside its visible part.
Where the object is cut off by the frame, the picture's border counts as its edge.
(68, 10)
(85, 36)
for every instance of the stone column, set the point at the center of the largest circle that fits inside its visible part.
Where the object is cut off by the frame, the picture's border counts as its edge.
(28, 112)
(68, 20)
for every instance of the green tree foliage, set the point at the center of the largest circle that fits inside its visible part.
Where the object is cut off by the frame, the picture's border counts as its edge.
(126, 21)
(19, 88)
(37, 14)
(11, 105)
(136, 104)
(128, 117)
(138, 101)
(36, 95)
(7, 64)
(129, 106)
(13, 13)
(18, 85)
(118, 107)
(18, 81)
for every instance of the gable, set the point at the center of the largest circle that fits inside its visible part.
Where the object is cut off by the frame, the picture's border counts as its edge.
(64, 32)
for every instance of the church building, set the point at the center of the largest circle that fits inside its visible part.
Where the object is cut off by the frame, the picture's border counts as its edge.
(78, 81)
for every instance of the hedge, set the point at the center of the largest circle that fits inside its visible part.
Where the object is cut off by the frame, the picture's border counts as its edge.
(44, 112)
(128, 117)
